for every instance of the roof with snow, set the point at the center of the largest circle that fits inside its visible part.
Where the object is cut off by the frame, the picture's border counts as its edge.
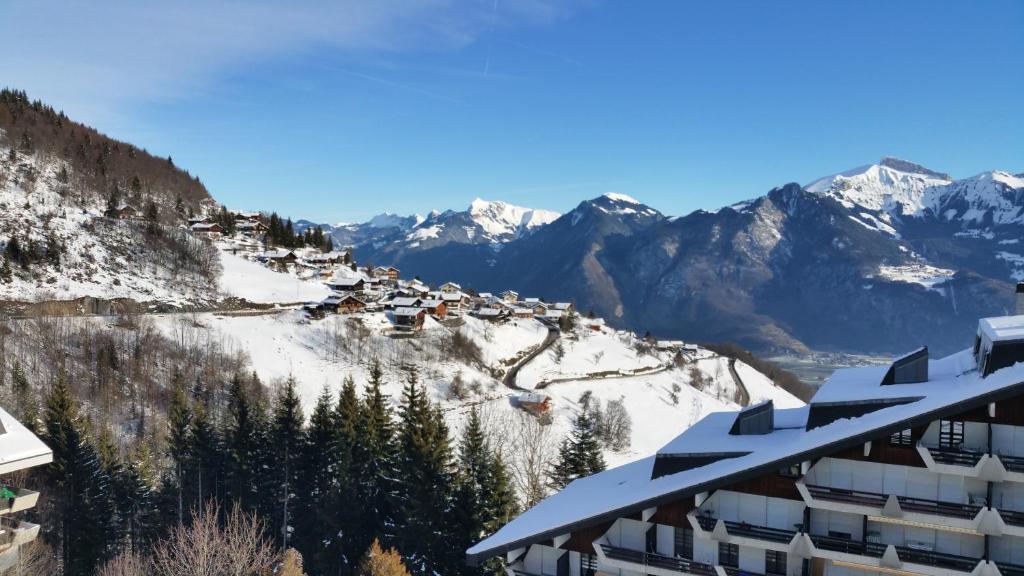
(19, 447)
(405, 302)
(852, 407)
(404, 311)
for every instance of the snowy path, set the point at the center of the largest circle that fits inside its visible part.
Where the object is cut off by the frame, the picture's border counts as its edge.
(510, 378)
(744, 393)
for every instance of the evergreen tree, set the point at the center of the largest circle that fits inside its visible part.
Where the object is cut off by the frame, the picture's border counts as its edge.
(139, 503)
(287, 441)
(580, 454)
(374, 465)
(81, 487)
(426, 482)
(179, 423)
(206, 458)
(319, 477)
(245, 442)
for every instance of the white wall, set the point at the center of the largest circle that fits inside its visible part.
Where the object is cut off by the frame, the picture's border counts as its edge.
(1008, 496)
(941, 541)
(1008, 440)
(893, 479)
(756, 510)
(666, 540)
(543, 560)
(824, 521)
(630, 534)
(1007, 549)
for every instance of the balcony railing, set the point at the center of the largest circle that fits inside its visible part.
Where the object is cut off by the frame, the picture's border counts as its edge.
(707, 522)
(939, 508)
(1012, 517)
(937, 559)
(907, 503)
(847, 546)
(730, 571)
(1010, 569)
(847, 496)
(955, 456)
(681, 565)
(760, 532)
(1012, 463)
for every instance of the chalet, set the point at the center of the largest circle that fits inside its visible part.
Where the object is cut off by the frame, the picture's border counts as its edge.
(554, 315)
(450, 288)
(253, 227)
(522, 312)
(564, 306)
(198, 220)
(534, 403)
(434, 307)
(492, 314)
(314, 309)
(595, 324)
(403, 302)
(509, 296)
(539, 309)
(669, 345)
(386, 273)
(241, 217)
(206, 230)
(346, 284)
(409, 318)
(914, 467)
(280, 257)
(350, 304)
(454, 301)
(127, 212)
(20, 450)
(332, 258)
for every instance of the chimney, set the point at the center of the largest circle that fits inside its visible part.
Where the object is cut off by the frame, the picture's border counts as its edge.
(1020, 298)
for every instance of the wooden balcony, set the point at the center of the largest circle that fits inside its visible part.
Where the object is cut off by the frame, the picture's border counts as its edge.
(652, 560)
(937, 559)
(847, 546)
(877, 502)
(745, 530)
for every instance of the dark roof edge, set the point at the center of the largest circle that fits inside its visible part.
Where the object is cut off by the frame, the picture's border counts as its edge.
(832, 447)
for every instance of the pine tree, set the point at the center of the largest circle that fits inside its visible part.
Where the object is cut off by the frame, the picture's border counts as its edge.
(179, 423)
(206, 459)
(287, 441)
(80, 485)
(426, 482)
(319, 475)
(139, 503)
(580, 454)
(245, 442)
(374, 464)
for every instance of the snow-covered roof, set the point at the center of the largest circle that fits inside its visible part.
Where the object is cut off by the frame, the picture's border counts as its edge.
(431, 303)
(451, 296)
(404, 302)
(1003, 328)
(346, 281)
(199, 226)
(562, 305)
(404, 311)
(19, 447)
(954, 386)
(489, 312)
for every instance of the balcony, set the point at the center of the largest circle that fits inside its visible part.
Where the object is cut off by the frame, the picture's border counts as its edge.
(940, 513)
(658, 562)
(961, 461)
(13, 535)
(744, 530)
(1013, 463)
(956, 456)
(23, 500)
(730, 571)
(1007, 569)
(847, 546)
(940, 560)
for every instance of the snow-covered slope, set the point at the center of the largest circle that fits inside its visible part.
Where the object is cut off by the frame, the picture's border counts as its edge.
(256, 283)
(891, 185)
(502, 221)
(659, 398)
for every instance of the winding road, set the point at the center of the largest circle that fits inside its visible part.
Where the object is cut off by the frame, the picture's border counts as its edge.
(740, 386)
(510, 377)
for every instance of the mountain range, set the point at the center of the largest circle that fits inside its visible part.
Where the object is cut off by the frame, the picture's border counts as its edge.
(876, 259)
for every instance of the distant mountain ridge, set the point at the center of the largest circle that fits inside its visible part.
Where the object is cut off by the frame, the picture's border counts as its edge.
(894, 252)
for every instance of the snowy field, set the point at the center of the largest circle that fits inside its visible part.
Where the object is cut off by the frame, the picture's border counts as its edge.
(256, 283)
(324, 352)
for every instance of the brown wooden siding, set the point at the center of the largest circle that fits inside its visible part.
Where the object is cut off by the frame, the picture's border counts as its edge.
(582, 541)
(774, 485)
(885, 453)
(674, 514)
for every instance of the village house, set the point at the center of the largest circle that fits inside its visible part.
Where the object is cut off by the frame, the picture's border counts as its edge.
(247, 217)
(534, 403)
(247, 227)
(509, 296)
(403, 302)
(522, 312)
(450, 288)
(454, 301)
(127, 212)
(350, 304)
(280, 257)
(346, 284)
(434, 308)
(206, 230)
(409, 318)
(492, 314)
(564, 306)
(539, 309)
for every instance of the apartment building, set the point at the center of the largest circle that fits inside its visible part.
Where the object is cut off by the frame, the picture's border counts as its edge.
(20, 449)
(915, 467)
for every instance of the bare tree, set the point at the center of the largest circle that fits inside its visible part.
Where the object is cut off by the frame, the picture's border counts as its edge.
(202, 548)
(127, 564)
(33, 559)
(526, 445)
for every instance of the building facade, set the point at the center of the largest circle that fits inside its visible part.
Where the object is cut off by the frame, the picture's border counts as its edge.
(913, 468)
(19, 450)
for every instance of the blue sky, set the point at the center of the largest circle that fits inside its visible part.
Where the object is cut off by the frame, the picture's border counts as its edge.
(339, 110)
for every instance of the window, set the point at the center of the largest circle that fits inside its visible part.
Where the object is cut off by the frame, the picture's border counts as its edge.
(684, 543)
(774, 562)
(792, 471)
(588, 565)
(728, 555)
(951, 433)
(901, 438)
